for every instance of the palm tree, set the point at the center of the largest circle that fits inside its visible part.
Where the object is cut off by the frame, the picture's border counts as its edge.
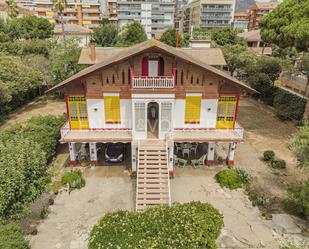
(59, 6)
(11, 8)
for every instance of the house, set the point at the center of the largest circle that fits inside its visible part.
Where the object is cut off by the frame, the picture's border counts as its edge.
(255, 42)
(155, 98)
(73, 31)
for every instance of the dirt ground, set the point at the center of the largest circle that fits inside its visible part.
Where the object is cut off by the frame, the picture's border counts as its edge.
(264, 131)
(73, 215)
(45, 105)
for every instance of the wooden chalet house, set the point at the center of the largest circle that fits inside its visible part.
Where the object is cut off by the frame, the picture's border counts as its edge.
(152, 96)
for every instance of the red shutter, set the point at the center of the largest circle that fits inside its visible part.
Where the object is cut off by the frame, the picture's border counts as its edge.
(145, 66)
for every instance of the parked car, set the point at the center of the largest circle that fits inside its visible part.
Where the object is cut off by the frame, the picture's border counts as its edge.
(115, 152)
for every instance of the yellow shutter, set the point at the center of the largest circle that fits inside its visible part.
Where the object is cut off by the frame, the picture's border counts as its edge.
(193, 109)
(78, 112)
(112, 109)
(226, 112)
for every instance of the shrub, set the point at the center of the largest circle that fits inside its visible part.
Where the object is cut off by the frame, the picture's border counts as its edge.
(288, 105)
(278, 164)
(11, 237)
(24, 152)
(300, 145)
(189, 225)
(268, 155)
(298, 198)
(233, 178)
(74, 179)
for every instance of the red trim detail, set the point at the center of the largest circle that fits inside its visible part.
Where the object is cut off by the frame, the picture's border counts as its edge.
(145, 66)
(236, 110)
(159, 71)
(67, 107)
(95, 162)
(230, 162)
(171, 174)
(210, 162)
(73, 163)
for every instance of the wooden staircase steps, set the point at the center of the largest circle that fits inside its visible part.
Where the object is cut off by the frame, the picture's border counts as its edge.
(152, 175)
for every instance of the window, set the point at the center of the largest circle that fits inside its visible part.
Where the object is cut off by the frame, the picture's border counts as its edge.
(191, 81)
(78, 115)
(129, 76)
(166, 116)
(107, 80)
(112, 109)
(123, 77)
(181, 77)
(193, 109)
(197, 81)
(113, 79)
(226, 112)
(140, 117)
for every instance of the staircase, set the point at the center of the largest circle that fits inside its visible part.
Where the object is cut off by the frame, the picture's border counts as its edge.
(153, 184)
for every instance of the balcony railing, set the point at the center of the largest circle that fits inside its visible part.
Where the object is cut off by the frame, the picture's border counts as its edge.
(153, 82)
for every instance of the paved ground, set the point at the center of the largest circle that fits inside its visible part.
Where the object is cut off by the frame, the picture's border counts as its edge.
(244, 226)
(72, 216)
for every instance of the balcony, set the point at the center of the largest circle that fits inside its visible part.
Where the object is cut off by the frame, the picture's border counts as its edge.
(203, 134)
(69, 135)
(157, 82)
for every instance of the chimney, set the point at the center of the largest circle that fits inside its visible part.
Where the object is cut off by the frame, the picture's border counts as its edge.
(92, 52)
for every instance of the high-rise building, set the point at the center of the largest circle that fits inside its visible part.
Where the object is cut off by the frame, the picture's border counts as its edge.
(241, 20)
(155, 16)
(257, 10)
(81, 12)
(209, 14)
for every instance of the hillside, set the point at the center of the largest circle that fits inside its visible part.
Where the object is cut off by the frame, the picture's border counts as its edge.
(242, 5)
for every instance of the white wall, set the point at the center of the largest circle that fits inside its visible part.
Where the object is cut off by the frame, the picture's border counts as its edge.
(96, 117)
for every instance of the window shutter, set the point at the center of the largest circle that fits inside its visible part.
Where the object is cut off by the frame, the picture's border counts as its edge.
(193, 109)
(112, 109)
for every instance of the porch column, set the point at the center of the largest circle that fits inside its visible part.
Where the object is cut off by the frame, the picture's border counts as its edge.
(231, 153)
(134, 148)
(170, 158)
(93, 153)
(211, 154)
(72, 150)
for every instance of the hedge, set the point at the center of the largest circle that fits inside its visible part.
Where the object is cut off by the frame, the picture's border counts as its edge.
(24, 153)
(233, 178)
(11, 237)
(191, 225)
(288, 105)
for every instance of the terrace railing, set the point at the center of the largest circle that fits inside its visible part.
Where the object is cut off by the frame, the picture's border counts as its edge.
(153, 82)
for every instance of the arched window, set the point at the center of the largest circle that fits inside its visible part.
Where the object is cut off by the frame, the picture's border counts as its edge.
(113, 79)
(129, 76)
(197, 80)
(145, 66)
(123, 77)
(191, 81)
(161, 66)
(181, 77)
(107, 80)
(176, 77)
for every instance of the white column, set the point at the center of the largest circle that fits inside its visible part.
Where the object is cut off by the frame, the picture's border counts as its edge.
(134, 149)
(211, 153)
(93, 153)
(170, 158)
(231, 154)
(72, 150)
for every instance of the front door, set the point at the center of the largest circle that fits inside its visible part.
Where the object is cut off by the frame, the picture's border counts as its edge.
(153, 120)
(153, 68)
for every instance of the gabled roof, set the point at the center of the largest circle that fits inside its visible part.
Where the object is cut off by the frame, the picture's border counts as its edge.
(144, 46)
(210, 56)
(251, 36)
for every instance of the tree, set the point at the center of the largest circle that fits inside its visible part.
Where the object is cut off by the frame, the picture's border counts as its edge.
(227, 35)
(132, 34)
(287, 25)
(106, 35)
(232, 54)
(64, 60)
(11, 8)
(59, 6)
(300, 146)
(169, 38)
(29, 27)
(304, 68)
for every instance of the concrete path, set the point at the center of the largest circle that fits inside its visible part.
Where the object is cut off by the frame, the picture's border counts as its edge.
(244, 226)
(73, 215)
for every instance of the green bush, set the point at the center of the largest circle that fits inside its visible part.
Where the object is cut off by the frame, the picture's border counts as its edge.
(74, 179)
(300, 145)
(233, 178)
(11, 237)
(268, 155)
(298, 198)
(289, 106)
(278, 164)
(24, 152)
(190, 225)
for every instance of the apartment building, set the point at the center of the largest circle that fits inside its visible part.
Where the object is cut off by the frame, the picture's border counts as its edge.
(209, 14)
(22, 10)
(257, 10)
(81, 12)
(155, 16)
(241, 20)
